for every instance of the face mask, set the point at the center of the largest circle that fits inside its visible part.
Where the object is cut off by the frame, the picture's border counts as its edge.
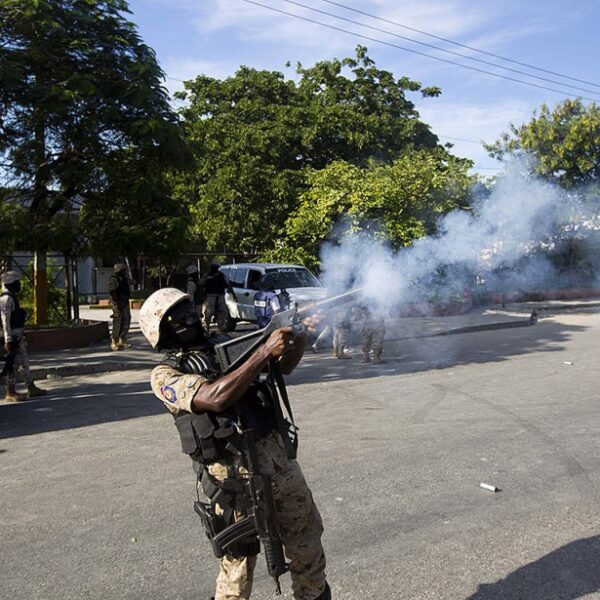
(184, 327)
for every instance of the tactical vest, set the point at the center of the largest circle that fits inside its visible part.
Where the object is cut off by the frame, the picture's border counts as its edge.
(214, 283)
(18, 315)
(208, 437)
(198, 292)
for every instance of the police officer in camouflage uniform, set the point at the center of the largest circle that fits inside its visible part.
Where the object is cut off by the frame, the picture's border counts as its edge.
(12, 317)
(373, 332)
(209, 408)
(194, 289)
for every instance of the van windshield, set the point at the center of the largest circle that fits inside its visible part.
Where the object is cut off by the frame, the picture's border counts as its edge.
(292, 277)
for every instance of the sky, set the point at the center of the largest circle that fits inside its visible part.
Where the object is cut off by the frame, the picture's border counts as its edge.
(215, 37)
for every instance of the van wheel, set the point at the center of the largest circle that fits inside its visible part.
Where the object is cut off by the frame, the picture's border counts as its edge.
(230, 324)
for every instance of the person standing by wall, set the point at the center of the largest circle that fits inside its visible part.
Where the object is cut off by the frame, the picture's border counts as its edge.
(15, 346)
(118, 288)
(194, 289)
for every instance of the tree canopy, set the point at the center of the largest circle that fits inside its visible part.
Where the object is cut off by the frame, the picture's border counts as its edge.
(397, 202)
(82, 107)
(564, 143)
(257, 137)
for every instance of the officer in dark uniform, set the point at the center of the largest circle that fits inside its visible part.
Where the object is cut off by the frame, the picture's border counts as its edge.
(211, 410)
(214, 284)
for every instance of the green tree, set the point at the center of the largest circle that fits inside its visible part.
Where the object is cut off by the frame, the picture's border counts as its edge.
(398, 202)
(564, 143)
(256, 135)
(80, 97)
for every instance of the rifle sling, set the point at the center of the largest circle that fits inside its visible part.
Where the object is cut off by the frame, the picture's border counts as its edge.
(286, 428)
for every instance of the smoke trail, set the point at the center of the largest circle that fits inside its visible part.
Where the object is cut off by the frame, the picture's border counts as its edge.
(512, 241)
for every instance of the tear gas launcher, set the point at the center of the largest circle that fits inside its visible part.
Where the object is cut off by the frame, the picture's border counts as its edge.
(233, 353)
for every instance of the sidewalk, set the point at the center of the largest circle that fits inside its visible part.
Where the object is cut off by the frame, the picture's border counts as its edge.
(99, 358)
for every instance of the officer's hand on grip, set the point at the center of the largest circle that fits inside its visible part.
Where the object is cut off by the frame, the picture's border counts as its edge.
(280, 342)
(311, 324)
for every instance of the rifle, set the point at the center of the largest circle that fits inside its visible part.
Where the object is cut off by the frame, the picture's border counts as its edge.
(233, 353)
(260, 520)
(9, 359)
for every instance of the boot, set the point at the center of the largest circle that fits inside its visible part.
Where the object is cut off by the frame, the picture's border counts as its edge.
(114, 345)
(377, 360)
(33, 391)
(123, 345)
(11, 394)
(340, 353)
(366, 358)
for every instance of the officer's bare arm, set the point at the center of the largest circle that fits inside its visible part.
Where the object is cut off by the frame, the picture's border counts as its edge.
(289, 361)
(227, 390)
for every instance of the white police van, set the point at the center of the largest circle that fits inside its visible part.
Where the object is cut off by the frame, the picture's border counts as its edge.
(298, 281)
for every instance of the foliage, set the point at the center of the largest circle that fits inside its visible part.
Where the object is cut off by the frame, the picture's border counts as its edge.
(81, 109)
(57, 297)
(398, 202)
(256, 136)
(564, 143)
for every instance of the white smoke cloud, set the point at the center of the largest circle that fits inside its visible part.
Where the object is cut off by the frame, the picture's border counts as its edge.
(509, 242)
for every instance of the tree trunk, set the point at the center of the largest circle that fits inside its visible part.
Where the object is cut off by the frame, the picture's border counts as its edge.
(40, 281)
(40, 289)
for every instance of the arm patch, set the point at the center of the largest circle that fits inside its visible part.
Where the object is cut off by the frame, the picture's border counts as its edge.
(168, 393)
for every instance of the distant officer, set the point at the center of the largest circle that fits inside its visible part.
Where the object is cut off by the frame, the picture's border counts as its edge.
(118, 288)
(373, 332)
(266, 301)
(194, 289)
(15, 346)
(214, 284)
(342, 327)
(210, 411)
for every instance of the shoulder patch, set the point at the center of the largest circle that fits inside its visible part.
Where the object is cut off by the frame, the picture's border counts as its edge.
(168, 393)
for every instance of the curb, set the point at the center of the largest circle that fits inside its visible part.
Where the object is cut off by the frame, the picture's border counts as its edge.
(111, 366)
(88, 369)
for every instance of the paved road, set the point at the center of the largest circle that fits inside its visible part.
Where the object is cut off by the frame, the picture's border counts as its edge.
(95, 500)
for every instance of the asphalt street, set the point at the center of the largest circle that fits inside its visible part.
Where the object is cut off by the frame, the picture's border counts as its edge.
(96, 496)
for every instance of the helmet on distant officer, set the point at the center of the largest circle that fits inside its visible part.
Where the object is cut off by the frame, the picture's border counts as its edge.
(10, 277)
(120, 267)
(192, 270)
(168, 319)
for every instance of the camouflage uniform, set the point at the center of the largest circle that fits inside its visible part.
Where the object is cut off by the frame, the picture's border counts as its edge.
(342, 328)
(7, 305)
(373, 332)
(298, 517)
(214, 306)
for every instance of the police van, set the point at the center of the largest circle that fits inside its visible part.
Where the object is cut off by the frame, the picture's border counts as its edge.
(297, 281)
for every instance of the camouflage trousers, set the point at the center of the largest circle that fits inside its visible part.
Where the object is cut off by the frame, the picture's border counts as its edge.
(299, 522)
(214, 306)
(21, 365)
(341, 335)
(373, 333)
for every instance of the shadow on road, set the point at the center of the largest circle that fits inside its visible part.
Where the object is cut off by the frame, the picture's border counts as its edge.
(92, 404)
(98, 402)
(440, 352)
(570, 572)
